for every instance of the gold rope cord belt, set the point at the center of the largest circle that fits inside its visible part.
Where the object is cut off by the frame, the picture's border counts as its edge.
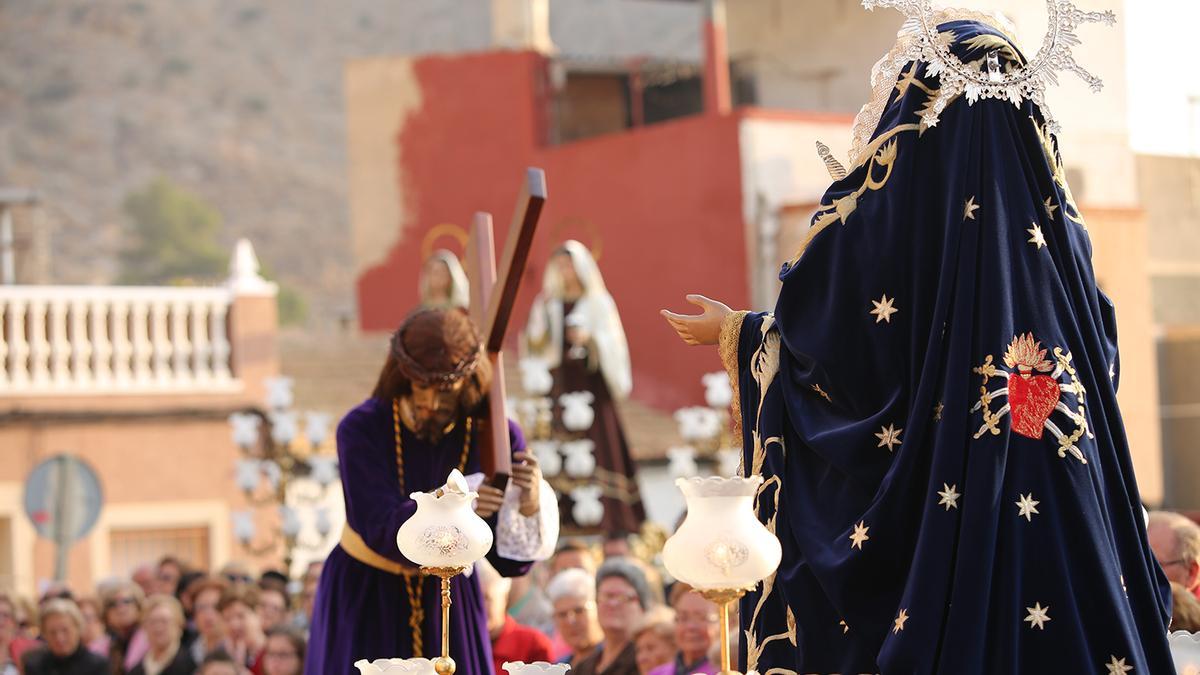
(352, 542)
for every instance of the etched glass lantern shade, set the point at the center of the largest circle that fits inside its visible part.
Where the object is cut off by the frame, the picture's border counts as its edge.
(721, 544)
(395, 667)
(1185, 650)
(535, 668)
(445, 531)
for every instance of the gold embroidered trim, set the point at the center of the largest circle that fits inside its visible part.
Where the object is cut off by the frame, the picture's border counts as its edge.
(727, 348)
(842, 208)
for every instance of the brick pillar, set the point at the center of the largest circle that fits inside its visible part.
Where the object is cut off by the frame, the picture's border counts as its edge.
(253, 324)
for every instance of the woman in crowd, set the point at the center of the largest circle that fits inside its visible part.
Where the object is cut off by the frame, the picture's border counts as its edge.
(27, 618)
(64, 653)
(210, 629)
(697, 630)
(273, 606)
(244, 638)
(572, 594)
(8, 634)
(122, 613)
(654, 639)
(95, 638)
(285, 652)
(622, 596)
(163, 623)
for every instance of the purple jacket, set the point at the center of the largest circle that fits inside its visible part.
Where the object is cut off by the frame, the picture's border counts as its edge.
(707, 668)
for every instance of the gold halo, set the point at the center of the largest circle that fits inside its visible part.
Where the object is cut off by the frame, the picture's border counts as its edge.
(592, 230)
(443, 230)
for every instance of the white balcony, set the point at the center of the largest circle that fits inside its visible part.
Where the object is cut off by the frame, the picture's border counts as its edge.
(63, 340)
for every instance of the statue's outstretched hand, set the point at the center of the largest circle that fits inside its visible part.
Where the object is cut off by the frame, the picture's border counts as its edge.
(699, 329)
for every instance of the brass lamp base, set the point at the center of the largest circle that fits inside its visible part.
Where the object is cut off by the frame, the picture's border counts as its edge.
(444, 665)
(724, 597)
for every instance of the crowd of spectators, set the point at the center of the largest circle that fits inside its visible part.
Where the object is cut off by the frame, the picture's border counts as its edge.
(605, 612)
(165, 619)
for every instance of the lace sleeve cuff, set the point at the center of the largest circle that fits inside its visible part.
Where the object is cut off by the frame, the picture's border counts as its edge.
(527, 538)
(727, 347)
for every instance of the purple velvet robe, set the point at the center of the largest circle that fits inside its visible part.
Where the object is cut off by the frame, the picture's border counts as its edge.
(362, 612)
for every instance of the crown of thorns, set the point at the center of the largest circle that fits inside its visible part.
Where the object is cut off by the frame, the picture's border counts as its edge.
(428, 377)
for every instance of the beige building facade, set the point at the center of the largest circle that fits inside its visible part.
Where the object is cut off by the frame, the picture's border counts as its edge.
(137, 383)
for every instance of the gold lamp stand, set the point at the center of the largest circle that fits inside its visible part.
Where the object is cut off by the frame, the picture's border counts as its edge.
(444, 665)
(723, 598)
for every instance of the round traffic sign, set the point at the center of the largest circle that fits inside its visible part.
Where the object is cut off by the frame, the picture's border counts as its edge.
(63, 498)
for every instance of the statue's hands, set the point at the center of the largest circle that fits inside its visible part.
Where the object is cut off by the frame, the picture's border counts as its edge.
(577, 336)
(489, 501)
(699, 329)
(527, 475)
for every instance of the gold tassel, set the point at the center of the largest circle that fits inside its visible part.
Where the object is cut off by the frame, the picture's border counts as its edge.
(836, 170)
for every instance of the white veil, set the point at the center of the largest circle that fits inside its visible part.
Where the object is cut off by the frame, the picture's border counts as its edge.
(595, 310)
(460, 289)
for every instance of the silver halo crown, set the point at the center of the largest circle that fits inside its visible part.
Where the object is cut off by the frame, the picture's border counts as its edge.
(1018, 84)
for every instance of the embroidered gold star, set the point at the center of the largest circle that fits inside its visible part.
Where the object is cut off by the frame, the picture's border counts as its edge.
(949, 496)
(1117, 666)
(1027, 507)
(1038, 616)
(1038, 238)
(889, 436)
(884, 309)
(937, 411)
(898, 624)
(845, 628)
(970, 209)
(1050, 206)
(821, 392)
(860, 535)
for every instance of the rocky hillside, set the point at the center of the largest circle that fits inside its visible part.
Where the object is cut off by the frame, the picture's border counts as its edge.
(241, 103)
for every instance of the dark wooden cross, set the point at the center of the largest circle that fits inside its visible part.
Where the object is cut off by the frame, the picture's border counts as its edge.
(492, 301)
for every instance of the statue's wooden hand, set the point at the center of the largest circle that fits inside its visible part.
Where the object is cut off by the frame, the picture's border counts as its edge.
(527, 475)
(489, 501)
(699, 329)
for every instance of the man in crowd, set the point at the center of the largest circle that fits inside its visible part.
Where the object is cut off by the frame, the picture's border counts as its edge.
(1175, 540)
(511, 641)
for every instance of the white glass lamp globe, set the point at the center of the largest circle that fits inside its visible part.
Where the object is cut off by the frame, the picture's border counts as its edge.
(445, 531)
(395, 667)
(718, 393)
(1185, 650)
(535, 668)
(721, 544)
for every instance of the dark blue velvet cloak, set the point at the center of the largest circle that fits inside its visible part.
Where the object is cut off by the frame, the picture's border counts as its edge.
(926, 527)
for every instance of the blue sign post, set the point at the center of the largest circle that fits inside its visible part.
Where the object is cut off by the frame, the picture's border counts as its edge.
(63, 498)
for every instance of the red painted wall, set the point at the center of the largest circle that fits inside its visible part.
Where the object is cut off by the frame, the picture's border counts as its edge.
(663, 205)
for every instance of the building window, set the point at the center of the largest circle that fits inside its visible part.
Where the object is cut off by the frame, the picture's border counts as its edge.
(133, 547)
(591, 104)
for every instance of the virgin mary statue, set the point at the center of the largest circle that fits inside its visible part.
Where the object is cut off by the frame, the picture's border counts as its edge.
(933, 402)
(574, 327)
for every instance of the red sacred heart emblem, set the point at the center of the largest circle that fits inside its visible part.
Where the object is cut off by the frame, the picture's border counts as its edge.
(1032, 399)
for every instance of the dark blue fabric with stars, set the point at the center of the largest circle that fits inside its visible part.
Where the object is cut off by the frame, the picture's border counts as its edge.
(945, 462)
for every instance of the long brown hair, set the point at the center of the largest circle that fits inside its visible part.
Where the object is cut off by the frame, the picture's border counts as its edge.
(439, 341)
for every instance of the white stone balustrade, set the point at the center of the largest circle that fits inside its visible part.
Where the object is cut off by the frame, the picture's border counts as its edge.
(101, 339)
